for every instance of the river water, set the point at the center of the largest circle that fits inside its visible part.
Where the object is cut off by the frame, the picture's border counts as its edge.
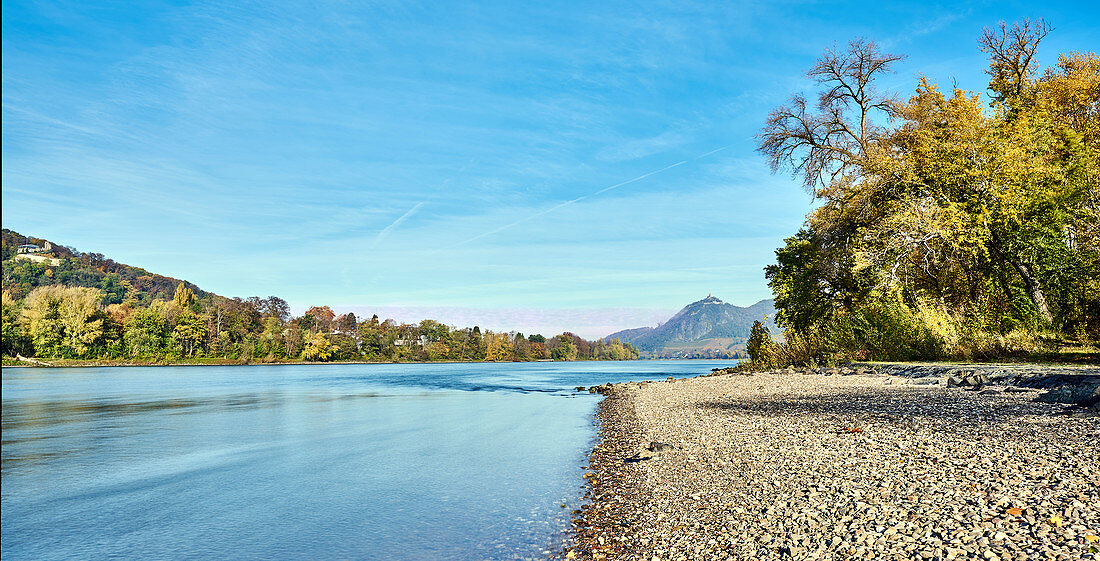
(401, 461)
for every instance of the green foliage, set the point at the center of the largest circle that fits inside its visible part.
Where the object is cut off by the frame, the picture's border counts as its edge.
(189, 332)
(883, 328)
(147, 333)
(565, 350)
(760, 346)
(184, 297)
(13, 339)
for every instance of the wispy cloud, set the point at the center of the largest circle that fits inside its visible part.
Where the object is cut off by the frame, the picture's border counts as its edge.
(590, 195)
(567, 203)
(642, 147)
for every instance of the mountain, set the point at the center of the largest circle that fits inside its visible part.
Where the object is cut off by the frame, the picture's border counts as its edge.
(709, 327)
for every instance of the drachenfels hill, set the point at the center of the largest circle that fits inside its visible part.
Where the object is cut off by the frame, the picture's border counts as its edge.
(707, 328)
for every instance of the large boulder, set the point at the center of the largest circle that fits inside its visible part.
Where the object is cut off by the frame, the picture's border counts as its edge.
(1085, 395)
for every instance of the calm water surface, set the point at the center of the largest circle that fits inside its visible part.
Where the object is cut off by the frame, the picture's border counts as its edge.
(417, 461)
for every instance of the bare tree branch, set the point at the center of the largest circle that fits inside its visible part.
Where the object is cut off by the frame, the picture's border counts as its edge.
(831, 143)
(1012, 61)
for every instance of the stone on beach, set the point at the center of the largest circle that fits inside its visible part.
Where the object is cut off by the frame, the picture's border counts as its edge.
(840, 465)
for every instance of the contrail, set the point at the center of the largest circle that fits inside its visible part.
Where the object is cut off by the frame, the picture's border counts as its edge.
(385, 231)
(583, 197)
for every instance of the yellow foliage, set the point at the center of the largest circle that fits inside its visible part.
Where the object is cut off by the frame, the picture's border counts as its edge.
(317, 347)
(63, 320)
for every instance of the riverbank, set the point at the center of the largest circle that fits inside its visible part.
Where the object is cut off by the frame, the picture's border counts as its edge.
(803, 465)
(87, 363)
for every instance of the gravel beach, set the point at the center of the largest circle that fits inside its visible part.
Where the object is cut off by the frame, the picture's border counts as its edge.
(866, 466)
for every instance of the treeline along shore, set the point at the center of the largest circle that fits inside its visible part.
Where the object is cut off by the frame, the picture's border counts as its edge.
(72, 308)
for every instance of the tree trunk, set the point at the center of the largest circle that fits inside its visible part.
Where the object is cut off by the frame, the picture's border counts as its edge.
(1034, 290)
(31, 360)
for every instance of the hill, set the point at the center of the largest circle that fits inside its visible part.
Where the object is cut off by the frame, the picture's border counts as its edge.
(23, 272)
(707, 328)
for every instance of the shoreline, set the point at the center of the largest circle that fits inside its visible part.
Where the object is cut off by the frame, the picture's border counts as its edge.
(91, 363)
(806, 465)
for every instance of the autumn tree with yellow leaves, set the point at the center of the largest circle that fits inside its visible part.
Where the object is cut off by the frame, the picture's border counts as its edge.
(953, 225)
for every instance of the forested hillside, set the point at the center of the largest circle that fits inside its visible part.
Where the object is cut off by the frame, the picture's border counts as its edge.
(62, 303)
(952, 224)
(117, 281)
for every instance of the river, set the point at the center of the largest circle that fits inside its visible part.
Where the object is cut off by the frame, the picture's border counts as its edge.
(379, 461)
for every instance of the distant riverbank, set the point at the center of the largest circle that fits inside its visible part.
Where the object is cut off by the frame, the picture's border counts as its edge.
(88, 363)
(937, 462)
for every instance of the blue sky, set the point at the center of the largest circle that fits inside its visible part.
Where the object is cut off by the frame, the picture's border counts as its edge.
(557, 157)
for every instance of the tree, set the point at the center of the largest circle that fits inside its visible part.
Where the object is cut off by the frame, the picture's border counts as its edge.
(63, 321)
(1012, 62)
(498, 347)
(564, 350)
(814, 277)
(346, 322)
(521, 348)
(184, 297)
(992, 198)
(293, 339)
(957, 220)
(344, 346)
(276, 307)
(760, 346)
(830, 145)
(317, 347)
(189, 333)
(14, 342)
(323, 316)
(147, 332)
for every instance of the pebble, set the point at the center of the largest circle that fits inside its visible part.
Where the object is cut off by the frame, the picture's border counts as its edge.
(820, 466)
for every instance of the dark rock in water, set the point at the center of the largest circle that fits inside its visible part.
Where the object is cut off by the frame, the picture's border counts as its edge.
(659, 446)
(581, 388)
(602, 389)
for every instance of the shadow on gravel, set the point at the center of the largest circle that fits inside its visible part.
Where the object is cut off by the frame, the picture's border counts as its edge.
(893, 404)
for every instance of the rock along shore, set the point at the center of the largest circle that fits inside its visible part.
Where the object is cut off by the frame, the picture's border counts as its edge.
(932, 462)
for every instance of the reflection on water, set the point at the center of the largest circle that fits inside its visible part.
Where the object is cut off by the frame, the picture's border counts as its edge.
(443, 461)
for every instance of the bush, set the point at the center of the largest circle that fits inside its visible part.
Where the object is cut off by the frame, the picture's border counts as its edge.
(883, 329)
